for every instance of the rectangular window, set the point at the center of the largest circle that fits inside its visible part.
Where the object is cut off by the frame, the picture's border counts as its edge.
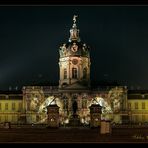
(65, 73)
(6, 106)
(20, 106)
(74, 73)
(13, 106)
(143, 105)
(136, 105)
(129, 106)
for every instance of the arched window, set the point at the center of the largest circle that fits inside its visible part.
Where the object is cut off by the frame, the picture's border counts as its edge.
(74, 73)
(65, 73)
(84, 73)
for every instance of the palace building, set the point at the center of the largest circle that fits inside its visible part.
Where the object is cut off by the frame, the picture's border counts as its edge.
(118, 104)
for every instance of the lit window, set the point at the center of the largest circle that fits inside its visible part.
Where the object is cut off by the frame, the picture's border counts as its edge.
(143, 105)
(20, 106)
(129, 106)
(6, 106)
(13, 106)
(65, 73)
(136, 105)
(74, 73)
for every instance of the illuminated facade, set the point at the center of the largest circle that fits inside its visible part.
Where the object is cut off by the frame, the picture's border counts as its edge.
(30, 105)
(138, 106)
(11, 107)
(74, 62)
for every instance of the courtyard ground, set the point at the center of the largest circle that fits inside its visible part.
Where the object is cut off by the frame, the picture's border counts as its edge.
(72, 135)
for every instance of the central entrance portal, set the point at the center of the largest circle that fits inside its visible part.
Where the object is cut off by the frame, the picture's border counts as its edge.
(74, 118)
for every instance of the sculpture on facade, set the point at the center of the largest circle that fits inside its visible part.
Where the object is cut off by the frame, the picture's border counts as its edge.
(115, 96)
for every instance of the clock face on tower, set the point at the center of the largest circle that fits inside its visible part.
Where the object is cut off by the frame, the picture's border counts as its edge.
(75, 61)
(74, 47)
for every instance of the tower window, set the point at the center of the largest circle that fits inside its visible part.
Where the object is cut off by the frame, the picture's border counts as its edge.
(65, 73)
(74, 73)
(84, 73)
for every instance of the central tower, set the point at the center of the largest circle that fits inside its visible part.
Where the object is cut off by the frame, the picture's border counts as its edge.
(74, 62)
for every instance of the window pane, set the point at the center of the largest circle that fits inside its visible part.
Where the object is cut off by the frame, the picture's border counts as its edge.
(74, 73)
(143, 105)
(13, 106)
(6, 106)
(136, 105)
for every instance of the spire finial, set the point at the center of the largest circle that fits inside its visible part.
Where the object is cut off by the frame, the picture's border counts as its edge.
(74, 18)
(74, 31)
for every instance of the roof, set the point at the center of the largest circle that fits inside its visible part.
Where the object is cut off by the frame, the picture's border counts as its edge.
(137, 91)
(11, 92)
(137, 94)
(11, 95)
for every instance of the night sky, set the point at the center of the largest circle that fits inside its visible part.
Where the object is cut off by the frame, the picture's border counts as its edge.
(30, 37)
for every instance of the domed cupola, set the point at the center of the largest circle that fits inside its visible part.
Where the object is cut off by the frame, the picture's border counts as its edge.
(74, 47)
(74, 61)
